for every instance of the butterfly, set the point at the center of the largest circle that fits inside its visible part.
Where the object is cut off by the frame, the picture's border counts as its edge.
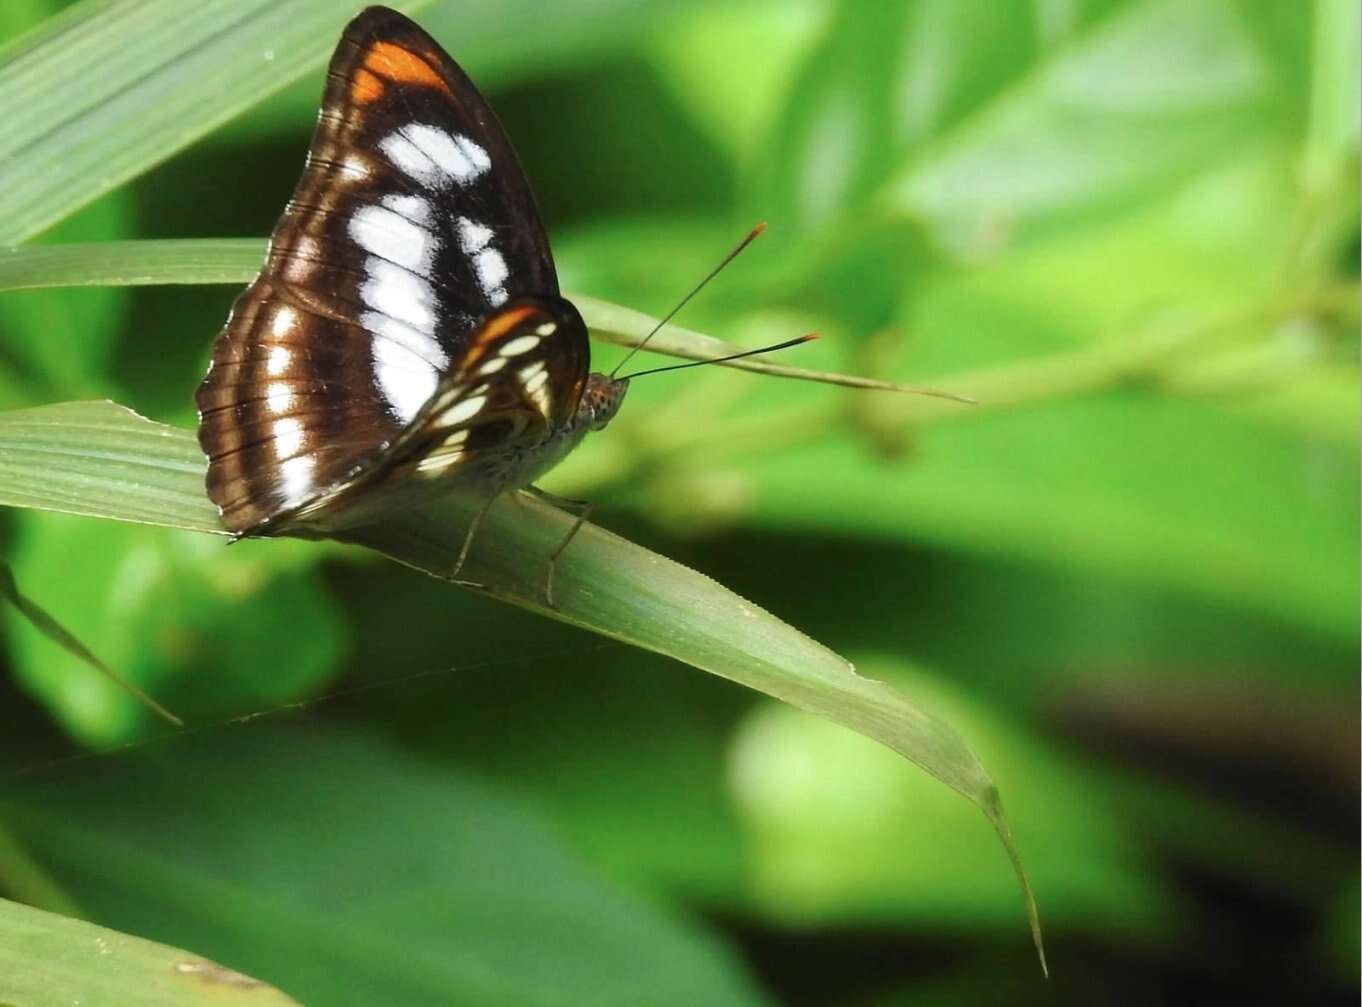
(406, 336)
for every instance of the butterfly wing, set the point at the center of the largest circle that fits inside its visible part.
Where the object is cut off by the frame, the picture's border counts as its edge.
(412, 224)
(508, 413)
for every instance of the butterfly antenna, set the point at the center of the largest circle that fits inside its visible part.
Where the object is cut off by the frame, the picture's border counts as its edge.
(752, 236)
(732, 356)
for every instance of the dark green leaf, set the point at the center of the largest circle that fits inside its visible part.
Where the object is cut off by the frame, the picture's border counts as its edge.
(387, 880)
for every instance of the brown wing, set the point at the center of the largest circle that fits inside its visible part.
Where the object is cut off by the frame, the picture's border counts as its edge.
(412, 223)
(491, 424)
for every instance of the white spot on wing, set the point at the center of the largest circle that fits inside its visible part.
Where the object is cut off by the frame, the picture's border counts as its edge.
(404, 379)
(492, 273)
(414, 208)
(285, 316)
(547, 329)
(519, 345)
(473, 237)
(490, 266)
(399, 294)
(390, 235)
(279, 396)
(492, 366)
(536, 381)
(407, 364)
(534, 385)
(481, 162)
(278, 360)
(464, 410)
(288, 437)
(433, 157)
(409, 158)
(296, 478)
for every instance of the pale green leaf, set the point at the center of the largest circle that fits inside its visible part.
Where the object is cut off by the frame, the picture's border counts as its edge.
(108, 88)
(1127, 103)
(101, 460)
(51, 961)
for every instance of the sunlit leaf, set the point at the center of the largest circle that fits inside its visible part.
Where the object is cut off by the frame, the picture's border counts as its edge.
(101, 460)
(1126, 103)
(168, 72)
(52, 961)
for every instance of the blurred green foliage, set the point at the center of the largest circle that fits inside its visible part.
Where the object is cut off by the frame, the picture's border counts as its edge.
(1130, 576)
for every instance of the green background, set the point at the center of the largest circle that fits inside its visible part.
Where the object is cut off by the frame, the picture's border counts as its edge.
(1129, 577)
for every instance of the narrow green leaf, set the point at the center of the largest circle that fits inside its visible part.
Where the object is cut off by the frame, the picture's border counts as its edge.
(163, 262)
(41, 620)
(167, 73)
(51, 961)
(612, 587)
(102, 460)
(603, 583)
(237, 260)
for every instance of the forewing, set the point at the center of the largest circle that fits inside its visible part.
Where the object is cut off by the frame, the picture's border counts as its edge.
(412, 222)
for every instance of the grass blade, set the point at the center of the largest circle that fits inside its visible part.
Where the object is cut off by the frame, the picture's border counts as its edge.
(153, 263)
(167, 73)
(48, 960)
(41, 620)
(237, 260)
(100, 459)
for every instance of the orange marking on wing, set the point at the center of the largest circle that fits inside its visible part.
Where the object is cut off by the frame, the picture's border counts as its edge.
(387, 59)
(365, 87)
(498, 325)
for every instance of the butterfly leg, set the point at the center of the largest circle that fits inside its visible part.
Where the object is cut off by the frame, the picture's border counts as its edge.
(468, 544)
(582, 510)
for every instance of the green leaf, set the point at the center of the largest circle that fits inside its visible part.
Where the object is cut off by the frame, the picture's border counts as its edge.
(166, 609)
(51, 961)
(1126, 103)
(1336, 91)
(237, 260)
(806, 791)
(60, 344)
(233, 261)
(1181, 503)
(101, 460)
(49, 628)
(883, 81)
(387, 879)
(603, 583)
(168, 72)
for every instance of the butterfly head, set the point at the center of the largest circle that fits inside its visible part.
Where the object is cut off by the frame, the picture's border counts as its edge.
(601, 400)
